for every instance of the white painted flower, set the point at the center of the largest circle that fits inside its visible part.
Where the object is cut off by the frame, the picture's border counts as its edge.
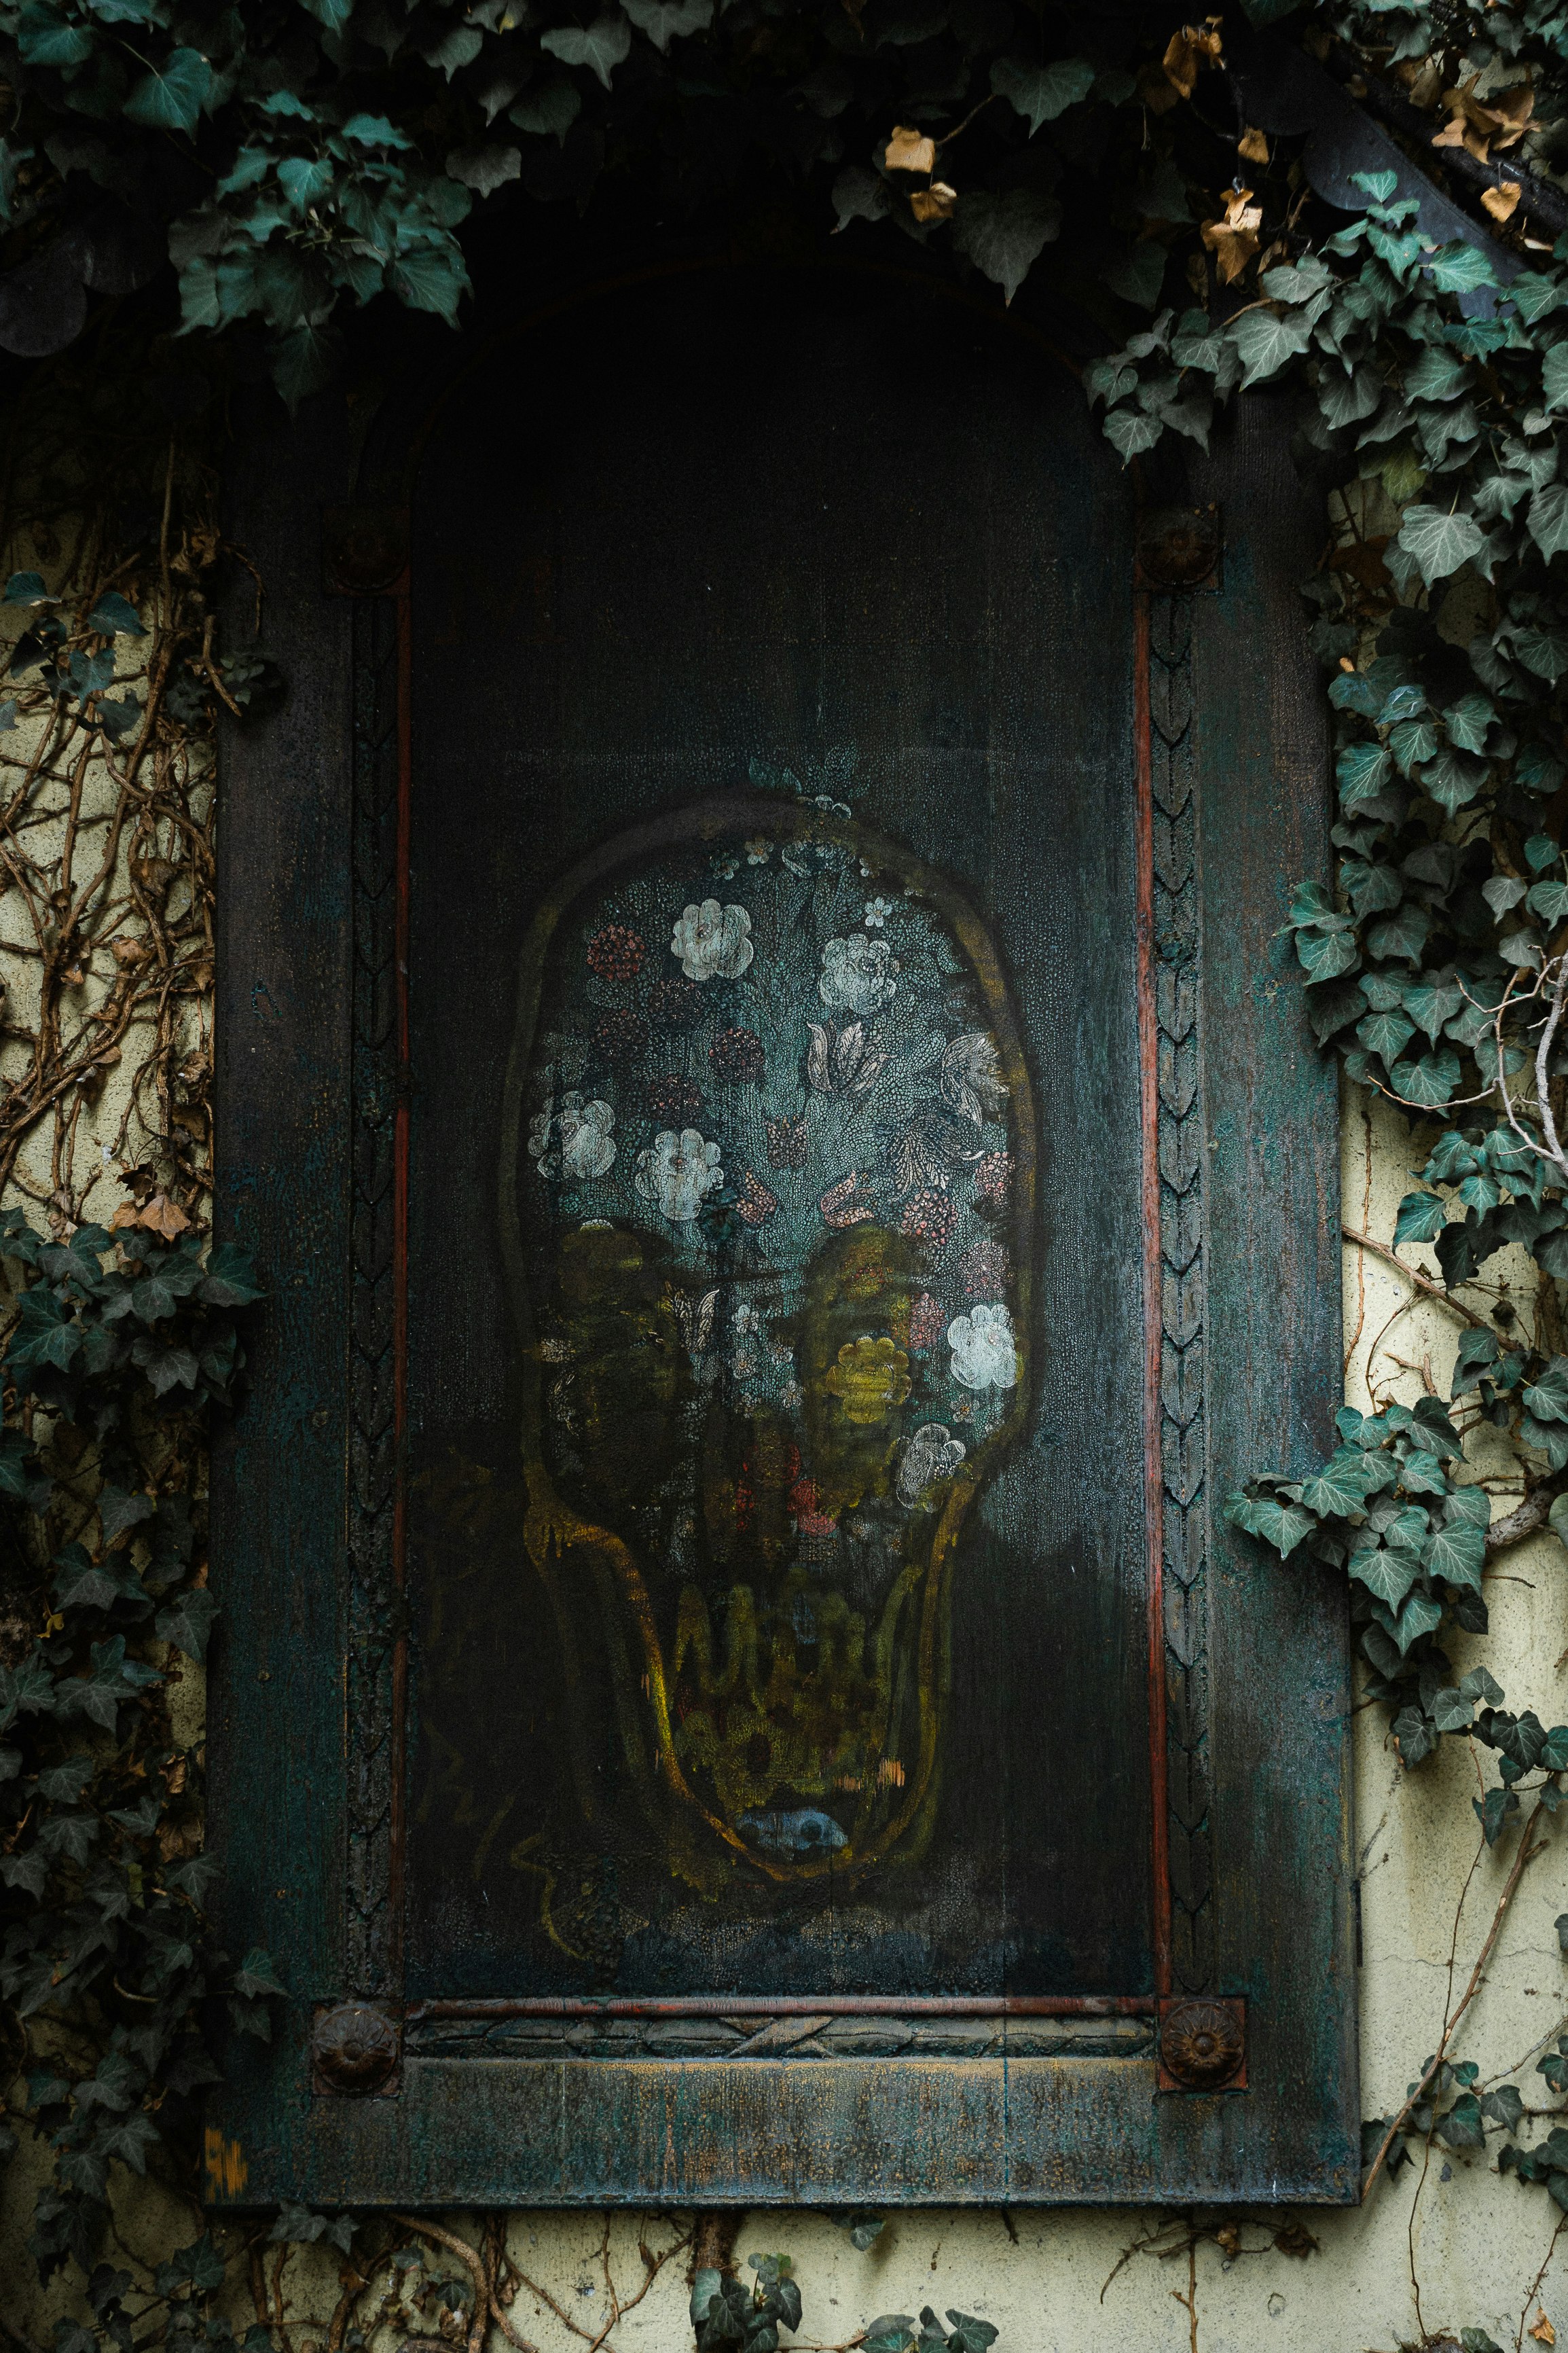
(877, 913)
(539, 1132)
(985, 1353)
(572, 1139)
(713, 942)
(587, 1147)
(857, 974)
(759, 852)
(678, 1172)
(932, 1454)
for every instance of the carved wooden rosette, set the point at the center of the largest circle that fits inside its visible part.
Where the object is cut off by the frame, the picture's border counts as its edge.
(355, 2050)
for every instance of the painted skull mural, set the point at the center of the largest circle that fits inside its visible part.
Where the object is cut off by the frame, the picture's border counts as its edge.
(767, 1202)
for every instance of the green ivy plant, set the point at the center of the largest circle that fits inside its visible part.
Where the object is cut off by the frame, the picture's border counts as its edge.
(119, 1346)
(725, 2312)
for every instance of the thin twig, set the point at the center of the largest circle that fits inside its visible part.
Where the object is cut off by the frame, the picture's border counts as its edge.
(1423, 1282)
(1526, 1854)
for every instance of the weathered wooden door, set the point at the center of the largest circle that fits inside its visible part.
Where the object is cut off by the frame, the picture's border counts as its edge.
(818, 1139)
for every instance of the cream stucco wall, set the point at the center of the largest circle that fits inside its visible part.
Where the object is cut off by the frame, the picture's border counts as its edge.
(1460, 2248)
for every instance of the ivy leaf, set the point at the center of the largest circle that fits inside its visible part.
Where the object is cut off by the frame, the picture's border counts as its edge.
(18, 1460)
(1341, 1486)
(1452, 1710)
(1431, 1003)
(431, 278)
(63, 1783)
(554, 105)
(1436, 375)
(1467, 721)
(1543, 652)
(113, 1678)
(1460, 269)
(374, 131)
(1281, 1524)
(230, 1279)
(1461, 2128)
(1422, 1614)
(1555, 377)
(1130, 431)
(46, 1334)
(1353, 689)
(1422, 1217)
(1548, 517)
(1327, 952)
(1387, 1034)
(118, 1511)
(1362, 770)
(27, 588)
(667, 20)
(258, 1975)
(1493, 1810)
(971, 2335)
(1263, 342)
(115, 615)
(1453, 778)
(1140, 275)
(1477, 1352)
(1039, 94)
(45, 38)
(130, 2141)
(455, 48)
(1533, 295)
(1404, 934)
(1413, 741)
(603, 46)
(1547, 1398)
(486, 166)
(1440, 543)
(172, 99)
(187, 1623)
(1387, 1571)
(1414, 1736)
(1003, 236)
(1457, 1552)
(1432, 1081)
(1347, 398)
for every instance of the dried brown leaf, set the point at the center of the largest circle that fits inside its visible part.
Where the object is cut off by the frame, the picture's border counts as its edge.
(1233, 240)
(1253, 147)
(933, 203)
(1189, 51)
(164, 1217)
(910, 150)
(1501, 201)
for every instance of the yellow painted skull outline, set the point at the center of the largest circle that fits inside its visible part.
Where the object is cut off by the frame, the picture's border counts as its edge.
(768, 1242)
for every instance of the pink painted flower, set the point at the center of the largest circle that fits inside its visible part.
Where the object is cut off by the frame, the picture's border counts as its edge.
(992, 1175)
(928, 1322)
(984, 1270)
